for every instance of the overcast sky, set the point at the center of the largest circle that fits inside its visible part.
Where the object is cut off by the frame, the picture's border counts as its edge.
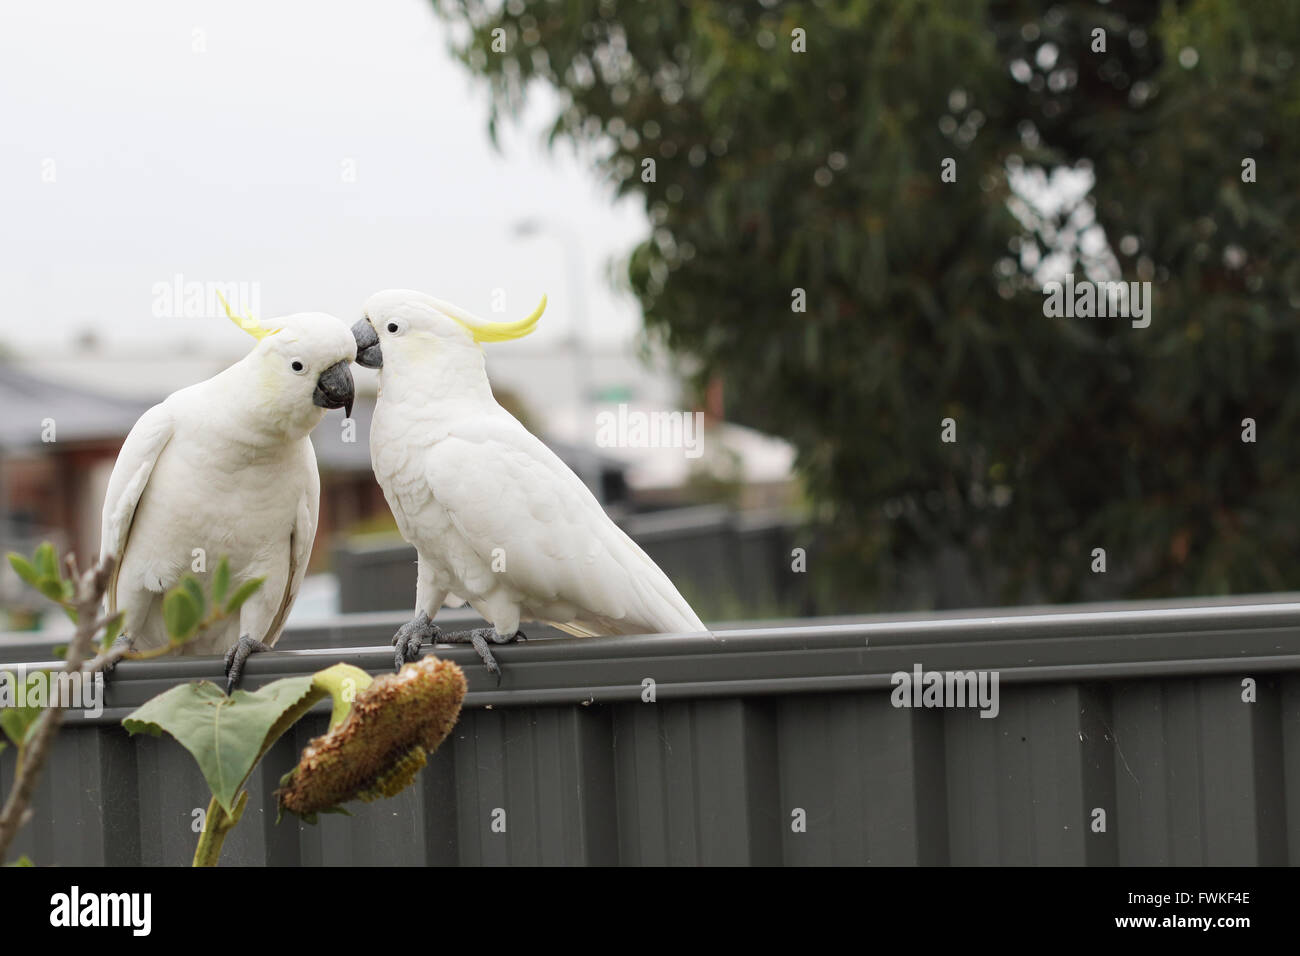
(226, 163)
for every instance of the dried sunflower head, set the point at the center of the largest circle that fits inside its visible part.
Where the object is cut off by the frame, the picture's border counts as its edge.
(381, 744)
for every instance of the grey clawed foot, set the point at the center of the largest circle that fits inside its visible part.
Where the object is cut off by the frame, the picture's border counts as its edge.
(121, 641)
(411, 635)
(237, 656)
(479, 638)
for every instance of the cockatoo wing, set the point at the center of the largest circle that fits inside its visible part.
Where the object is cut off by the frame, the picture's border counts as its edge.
(300, 545)
(502, 488)
(135, 463)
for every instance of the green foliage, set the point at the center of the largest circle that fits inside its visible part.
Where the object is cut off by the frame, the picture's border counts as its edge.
(181, 615)
(19, 723)
(221, 580)
(778, 170)
(242, 594)
(43, 573)
(112, 629)
(186, 608)
(225, 735)
(228, 735)
(45, 562)
(194, 591)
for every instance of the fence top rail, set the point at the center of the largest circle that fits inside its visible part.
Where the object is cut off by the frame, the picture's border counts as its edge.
(344, 629)
(1070, 645)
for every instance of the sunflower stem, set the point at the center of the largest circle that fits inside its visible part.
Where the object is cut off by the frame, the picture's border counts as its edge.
(216, 824)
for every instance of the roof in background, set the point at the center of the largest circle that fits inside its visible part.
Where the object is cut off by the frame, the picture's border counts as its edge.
(79, 414)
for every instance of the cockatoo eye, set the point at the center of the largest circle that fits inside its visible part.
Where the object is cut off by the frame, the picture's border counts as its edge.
(392, 327)
(297, 366)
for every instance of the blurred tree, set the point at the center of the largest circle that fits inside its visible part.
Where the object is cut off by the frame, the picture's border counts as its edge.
(807, 251)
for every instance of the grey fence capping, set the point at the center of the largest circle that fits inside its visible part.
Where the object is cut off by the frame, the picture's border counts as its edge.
(1062, 646)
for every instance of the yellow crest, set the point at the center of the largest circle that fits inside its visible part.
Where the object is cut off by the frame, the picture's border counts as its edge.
(247, 322)
(484, 331)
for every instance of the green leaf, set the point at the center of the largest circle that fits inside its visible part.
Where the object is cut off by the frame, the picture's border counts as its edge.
(180, 614)
(226, 735)
(242, 594)
(221, 581)
(18, 723)
(47, 564)
(195, 591)
(52, 588)
(112, 628)
(25, 569)
(23, 860)
(60, 651)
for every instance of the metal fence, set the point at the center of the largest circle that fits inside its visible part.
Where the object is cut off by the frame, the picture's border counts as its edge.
(1153, 736)
(721, 558)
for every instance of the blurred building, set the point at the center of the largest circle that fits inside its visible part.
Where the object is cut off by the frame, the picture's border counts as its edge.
(58, 443)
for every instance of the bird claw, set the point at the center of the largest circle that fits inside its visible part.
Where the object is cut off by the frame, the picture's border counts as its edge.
(479, 638)
(236, 658)
(489, 661)
(122, 640)
(411, 636)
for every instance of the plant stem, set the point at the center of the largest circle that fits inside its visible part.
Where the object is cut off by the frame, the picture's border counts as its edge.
(90, 591)
(120, 652)
(216, 824)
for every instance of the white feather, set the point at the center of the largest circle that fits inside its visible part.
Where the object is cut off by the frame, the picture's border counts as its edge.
(495, 515)
(224, 467)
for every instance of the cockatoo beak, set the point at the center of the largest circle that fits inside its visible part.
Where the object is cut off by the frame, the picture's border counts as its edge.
(368, 352)
(334, 388)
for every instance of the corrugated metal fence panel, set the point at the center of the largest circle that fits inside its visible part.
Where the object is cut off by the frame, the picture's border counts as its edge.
(1200, 774)
(710, 548)
(765, 746)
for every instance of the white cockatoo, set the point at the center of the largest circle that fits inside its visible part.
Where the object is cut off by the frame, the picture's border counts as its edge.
(226, 468)
(497, 519)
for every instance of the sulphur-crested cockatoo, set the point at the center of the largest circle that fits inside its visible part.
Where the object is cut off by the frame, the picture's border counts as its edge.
(496, 518)
(226, 467)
